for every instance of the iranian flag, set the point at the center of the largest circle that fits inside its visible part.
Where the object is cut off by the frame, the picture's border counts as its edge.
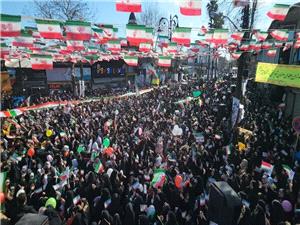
(41, 62)
(209, 36)
(261, 35)
(114, 46)
(25, 40)
(194, 48)
(240, 3)
(220, 36)
(190, 7)
(182, 36)
(4, 50)
(271, 52)
(255, 46)
(280, 35)
(10, 26)
(266, 45)
(128, 6)
(34, 32)
(108, 31)
(163, 41)
(97, 35)
(297, 44)
(149, 35)
(289, 171)
(245, 46)
(98, 167)
(236, 55)
(287, 45)
(13, 112)
(164, 61)
(49, 29)
(172, 47)
(135, 34)
(278, 12)
(203, 30)
(78, 30)
(159, 178)
(75, 45)
(267, 167)
(131, 60)
(238, 36)
(123, 42)
(65, 174)
(92, 50)
(278, 44)
(145, 47)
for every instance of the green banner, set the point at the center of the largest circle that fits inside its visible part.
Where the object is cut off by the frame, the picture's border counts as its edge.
(278, 74)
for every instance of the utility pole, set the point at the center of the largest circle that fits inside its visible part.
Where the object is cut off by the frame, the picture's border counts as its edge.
(242, 61)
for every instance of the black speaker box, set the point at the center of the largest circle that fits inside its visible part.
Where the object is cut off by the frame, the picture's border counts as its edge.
(224, 206)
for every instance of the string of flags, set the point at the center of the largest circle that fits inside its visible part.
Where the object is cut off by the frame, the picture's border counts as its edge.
(79, 41)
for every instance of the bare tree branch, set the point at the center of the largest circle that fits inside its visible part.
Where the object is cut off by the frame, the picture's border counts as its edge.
(64, 9)
(150, 15)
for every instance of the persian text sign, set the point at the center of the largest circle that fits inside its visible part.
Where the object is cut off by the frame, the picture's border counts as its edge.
(282, 75)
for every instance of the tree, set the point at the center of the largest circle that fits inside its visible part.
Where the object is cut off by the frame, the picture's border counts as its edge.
(216, 20)
(150, 15)
(63, 9)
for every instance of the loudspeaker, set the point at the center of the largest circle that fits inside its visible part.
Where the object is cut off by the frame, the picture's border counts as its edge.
(224, 206)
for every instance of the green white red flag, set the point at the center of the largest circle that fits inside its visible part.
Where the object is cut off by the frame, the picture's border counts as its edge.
(254, 45)
(159, 178)
(135, 34)
(287, 45)
(280, 35)
(278, 12)
(220, 36)
(194, 48)
(49, 29)
(267, 167)
(4, 50)
(75, 45)
(25, 40)
(78, 30)
(190, 7)
(203, 30)
(98, 167)
(289, 171)
(261, 35)
(271, 52)
(182, 36)
(240, 3)
(128, 6)
(13, 112)
(10, 26)
(164, 61)
(236, 55)
(266, 45)
(97, 35)
(245, 46)
(149, 35)
(238, 36)
(297, 44)
(163, 41)
(114, 45)
(278, 44)
(172, 47)
(41, 62)
(131, 60)
(123, 42)
(145, 47)
(108, 31)
(209, 36)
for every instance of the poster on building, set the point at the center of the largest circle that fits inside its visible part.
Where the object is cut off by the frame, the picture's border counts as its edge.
(278, 74)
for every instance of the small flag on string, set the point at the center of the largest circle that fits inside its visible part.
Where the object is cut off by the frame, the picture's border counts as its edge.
(76, 200)
(278, 12)
(280, 35)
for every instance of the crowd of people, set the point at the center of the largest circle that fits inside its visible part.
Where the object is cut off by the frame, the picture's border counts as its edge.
(97, 162)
